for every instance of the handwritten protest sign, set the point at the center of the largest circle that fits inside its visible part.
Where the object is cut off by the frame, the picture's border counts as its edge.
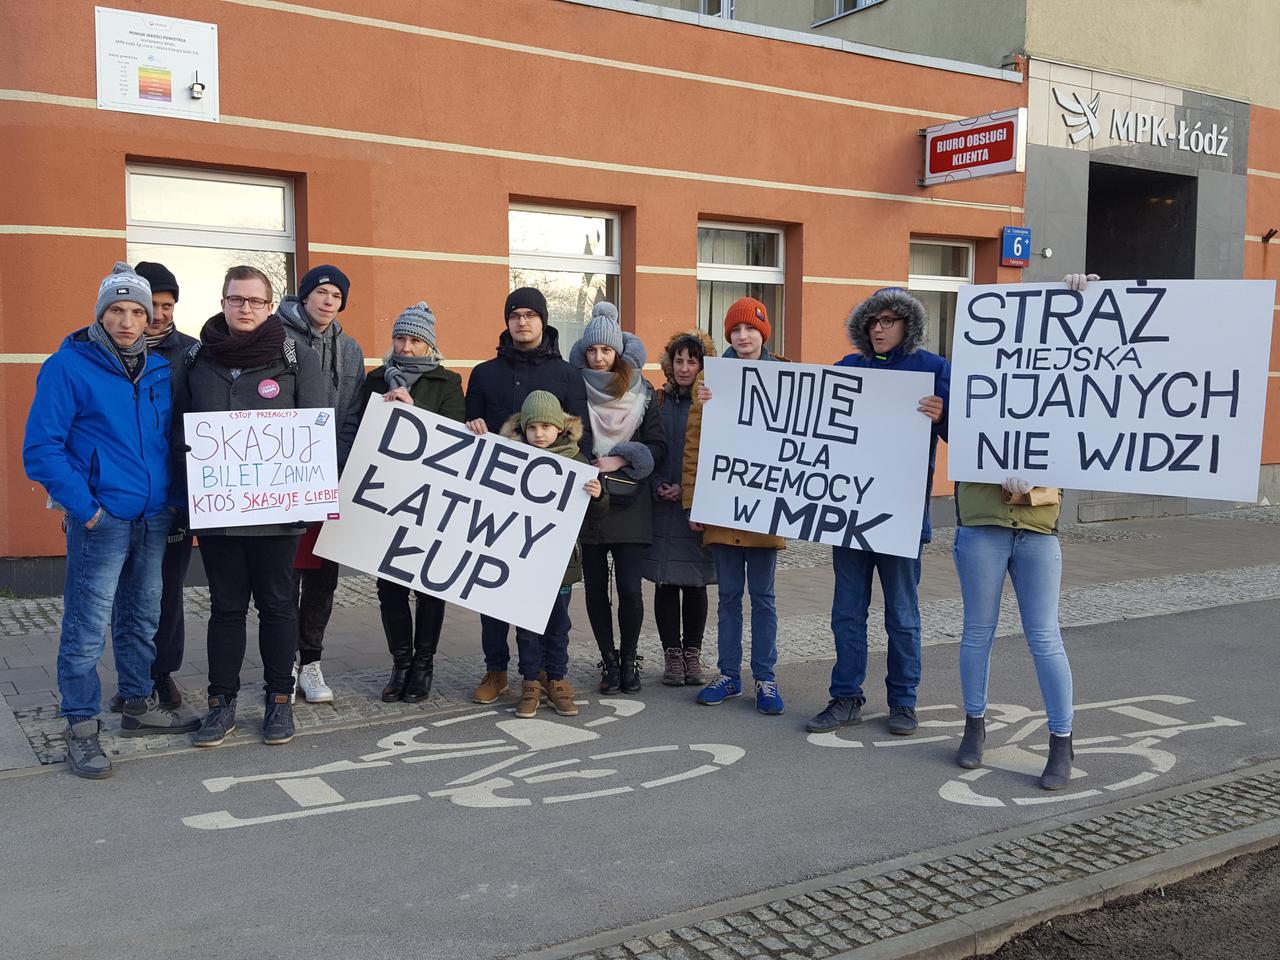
(484, 522)
(1152, 387)
(251, 467)
(836, 455)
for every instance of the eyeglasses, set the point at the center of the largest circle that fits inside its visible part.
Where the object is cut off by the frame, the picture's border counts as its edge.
(883, 323)
(524, 315)
(255, 303)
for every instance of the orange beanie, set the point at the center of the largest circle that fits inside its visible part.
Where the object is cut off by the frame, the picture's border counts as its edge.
(750, 312)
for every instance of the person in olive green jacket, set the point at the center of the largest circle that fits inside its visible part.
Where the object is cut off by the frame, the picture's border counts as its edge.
(412, 373)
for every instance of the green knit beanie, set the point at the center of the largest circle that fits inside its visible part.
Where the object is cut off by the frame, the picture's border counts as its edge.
(541, 406)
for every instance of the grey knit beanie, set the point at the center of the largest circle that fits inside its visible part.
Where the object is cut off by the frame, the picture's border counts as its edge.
(123, 284)
(603, 328)
(416, 321)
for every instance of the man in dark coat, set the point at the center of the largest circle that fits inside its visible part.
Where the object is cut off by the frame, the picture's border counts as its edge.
(528, 359)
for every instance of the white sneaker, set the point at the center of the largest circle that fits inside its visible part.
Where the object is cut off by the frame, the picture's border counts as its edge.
(311, 680)
(293, 689)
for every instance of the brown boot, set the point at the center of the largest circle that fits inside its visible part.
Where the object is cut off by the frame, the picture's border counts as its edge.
(560, 694)
(530, 697)
(491, 687)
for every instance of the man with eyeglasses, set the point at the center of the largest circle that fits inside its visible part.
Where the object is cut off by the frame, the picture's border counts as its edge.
(888, 330)
(244, 361)
(311, 320)
(528, 359)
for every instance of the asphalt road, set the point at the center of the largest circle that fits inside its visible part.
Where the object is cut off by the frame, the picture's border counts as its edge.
(477, 835)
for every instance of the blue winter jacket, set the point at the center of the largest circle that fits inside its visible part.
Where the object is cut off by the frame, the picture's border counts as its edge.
(921, 360)
(94, 438)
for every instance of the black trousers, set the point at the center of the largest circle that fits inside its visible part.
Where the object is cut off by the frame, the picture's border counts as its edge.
(410, 642)
(675, 607)
(171, 634)
(627, 559)
(313, 593)
(240, 569)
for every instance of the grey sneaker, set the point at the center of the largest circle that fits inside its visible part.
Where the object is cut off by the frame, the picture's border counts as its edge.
(116, 703)
(840, 712)
(695, 674)
(902, 721)
(673, 666)
(84, 752)
(277, 720)
(217, 723)
(145, 717)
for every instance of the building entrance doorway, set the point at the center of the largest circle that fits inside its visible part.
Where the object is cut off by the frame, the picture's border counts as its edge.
(1142, 224)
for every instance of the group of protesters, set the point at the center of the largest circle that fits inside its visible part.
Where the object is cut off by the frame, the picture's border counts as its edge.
(105, 439)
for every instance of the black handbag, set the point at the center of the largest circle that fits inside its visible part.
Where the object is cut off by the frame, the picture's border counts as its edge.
(622, 491)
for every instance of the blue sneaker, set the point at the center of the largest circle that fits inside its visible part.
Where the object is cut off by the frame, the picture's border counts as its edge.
(768, 700)
(719, 690)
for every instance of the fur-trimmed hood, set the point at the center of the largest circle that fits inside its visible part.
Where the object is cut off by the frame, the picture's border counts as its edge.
(572, 431)
(632, 351)
(900, 302)
(664, 361)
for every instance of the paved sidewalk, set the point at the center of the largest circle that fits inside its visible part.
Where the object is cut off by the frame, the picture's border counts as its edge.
(1112, 572)
(969, 899)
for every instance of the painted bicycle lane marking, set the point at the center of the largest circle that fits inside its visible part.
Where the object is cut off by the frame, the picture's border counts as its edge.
(1146, 745)
(521, 768)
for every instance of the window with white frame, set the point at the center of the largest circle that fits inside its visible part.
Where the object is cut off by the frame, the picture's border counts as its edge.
(735, 261)
(830, 9)
(572, 256)
(938, 269)
(716, 8)
(200, 222)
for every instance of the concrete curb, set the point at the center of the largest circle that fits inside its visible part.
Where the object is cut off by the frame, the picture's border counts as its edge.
(986, 929)
(16, 753)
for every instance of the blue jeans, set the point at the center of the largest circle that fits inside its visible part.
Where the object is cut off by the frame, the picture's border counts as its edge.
(493, 640)
(750, 568)
(113, 578)
(900, 582)
(1034, 563)
(548, 650)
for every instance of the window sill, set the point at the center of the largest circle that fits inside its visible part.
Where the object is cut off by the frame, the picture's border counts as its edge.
(847, 13)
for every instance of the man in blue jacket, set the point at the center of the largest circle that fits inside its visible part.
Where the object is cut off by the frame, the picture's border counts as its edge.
(97, 440)
(888, 330)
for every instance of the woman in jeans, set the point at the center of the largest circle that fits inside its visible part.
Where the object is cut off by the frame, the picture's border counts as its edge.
(677, 562)
(412, 374)
(244, 361)
(627, 440)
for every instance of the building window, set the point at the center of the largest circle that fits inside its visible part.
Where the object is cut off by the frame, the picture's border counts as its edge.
(200, 222)
(824, 10)
(736, 261)
(716, 8)
(572, 256)
(939, 268)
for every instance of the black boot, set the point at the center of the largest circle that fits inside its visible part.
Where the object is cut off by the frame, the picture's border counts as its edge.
(610, 679)
(969, 755)
(394, 690)
(418, 686)
(629, 664)
(1057, 772)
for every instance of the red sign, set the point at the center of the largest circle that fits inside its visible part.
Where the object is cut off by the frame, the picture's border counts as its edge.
(976, 147)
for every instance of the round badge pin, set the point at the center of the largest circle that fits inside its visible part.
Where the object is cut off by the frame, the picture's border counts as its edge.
(268, 389)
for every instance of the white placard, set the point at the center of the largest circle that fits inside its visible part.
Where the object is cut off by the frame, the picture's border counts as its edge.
(1155, 387)
(482, 521)
(246, 468)
(836, 455)
(154, 65)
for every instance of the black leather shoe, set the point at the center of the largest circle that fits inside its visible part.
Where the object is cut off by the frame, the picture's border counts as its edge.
(394, 690)
(610, 678)
(840, 712)
(629, 677)
(418, 686)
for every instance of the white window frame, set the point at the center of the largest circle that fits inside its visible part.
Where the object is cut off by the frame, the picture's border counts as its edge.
(732, 273)
(601, 263)
(190, 235)
(726, 9)
(920, 281)
(845, 7)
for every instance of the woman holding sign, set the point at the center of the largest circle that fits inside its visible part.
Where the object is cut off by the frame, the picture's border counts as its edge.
(627, 439)
(412, 374)
(244, 361)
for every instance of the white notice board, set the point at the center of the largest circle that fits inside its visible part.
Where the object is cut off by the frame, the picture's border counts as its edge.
(148, 64)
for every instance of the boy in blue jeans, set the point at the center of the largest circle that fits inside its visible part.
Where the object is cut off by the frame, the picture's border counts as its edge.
(543, 423)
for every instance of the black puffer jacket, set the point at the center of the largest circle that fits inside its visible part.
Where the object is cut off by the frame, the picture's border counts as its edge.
(498, 387)
(209, 386)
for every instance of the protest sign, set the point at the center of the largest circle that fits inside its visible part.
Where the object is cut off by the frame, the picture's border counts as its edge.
(1155, 387)
(246, 468)
(836, 455)
(482, 521)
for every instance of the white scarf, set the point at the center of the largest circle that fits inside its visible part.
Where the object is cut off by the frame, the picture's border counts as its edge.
(613, 421)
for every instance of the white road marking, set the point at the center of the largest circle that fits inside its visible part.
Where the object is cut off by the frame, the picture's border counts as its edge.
(1016, 759)
(311, 792)
(570, 775)
(622, 708)
(469, 716)
(482, 795)
(543, 766)
(907, 741)
(600, 722)
(544, 734)
(721, 753)
(222, 784)
(1146, 716)
(1028, 729)
(485, 771)
(1166, 732)
(587, 796)
(1056, 798)
(223, 819)
(460, 753)
(959, 792)
(634, 751)
(1132, 781)
(687, 775)
(831, 739)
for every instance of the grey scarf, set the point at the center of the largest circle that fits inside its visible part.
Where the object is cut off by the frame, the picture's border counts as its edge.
(405, 371)
(133, 358)
(613, 421)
